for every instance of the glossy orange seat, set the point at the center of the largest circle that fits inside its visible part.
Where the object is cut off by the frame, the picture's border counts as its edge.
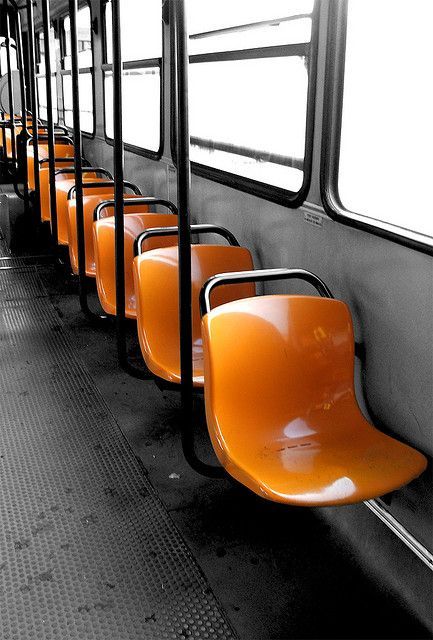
(283, 416)
(61, 150)
(90, 202)
(104, 247)
(63, 186)
(157, 290)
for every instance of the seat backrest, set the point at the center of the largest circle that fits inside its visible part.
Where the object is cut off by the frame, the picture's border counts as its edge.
(104, 246)
(44, 179)
(157, 289)
(60, 151)
(277, 360)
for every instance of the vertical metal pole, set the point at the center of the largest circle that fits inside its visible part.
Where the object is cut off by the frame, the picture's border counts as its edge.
(75, 77)
(23, 135)
(183, 203)
(180, 35)
(10, 85)
(50, 124)
(34, 99)
(118, 184)
(3, 113)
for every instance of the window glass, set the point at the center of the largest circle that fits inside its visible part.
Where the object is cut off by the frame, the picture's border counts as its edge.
(86, 101)
(3, 54)
(141, 29)
(42, 97)
(248, 88)
(40, 48)
(387, 126)
(84, 36)
(226, 109)
(141, 32)
(141, 118)
(209, 16)
(85, 78)
(228, 25)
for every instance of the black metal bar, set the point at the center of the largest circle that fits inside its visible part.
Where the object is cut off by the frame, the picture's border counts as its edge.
(119, 186)
(68, 72)
(10, 85)
(119, 227)
(82, 278)
(249, 26)
(88, 169)
(96, 185)
(130, 65)
(183, 184)
(133, 203)
(34, 99)
(261, 275)
(58, 129)
(71, 168)
(50, 123)
(23, 134)
(73, 191)
(196, 229)
(278, 51)
(59, 139)
(3, 122)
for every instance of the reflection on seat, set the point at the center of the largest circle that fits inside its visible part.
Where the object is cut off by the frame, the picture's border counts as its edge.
(156, 278)
(281, 407)
(135, 223)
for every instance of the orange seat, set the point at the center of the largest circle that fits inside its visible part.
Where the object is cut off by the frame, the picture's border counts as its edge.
(61, 150)
(44, 184)
(157, 290)
(283, 416)
(90, 202)
(63, 186)
(104, 247)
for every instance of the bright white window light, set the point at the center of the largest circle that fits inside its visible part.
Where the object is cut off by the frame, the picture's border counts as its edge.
(387, 127)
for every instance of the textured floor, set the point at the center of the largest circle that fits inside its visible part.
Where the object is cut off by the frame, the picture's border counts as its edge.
(87, 550)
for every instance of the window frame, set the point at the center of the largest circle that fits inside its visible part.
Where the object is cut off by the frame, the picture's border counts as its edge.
(68, 72)
(331, 138)
(285, 197)
(136, 64)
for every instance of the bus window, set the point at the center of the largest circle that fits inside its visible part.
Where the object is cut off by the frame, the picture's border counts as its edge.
(141, 29)
(85, 63)
(41, 78)
(386, 123)
(248, 90)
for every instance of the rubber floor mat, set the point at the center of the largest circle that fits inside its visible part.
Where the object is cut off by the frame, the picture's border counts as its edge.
(87, 550)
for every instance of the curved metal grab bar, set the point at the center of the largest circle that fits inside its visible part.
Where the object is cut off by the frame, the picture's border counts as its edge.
(66, 159)
(87, 168)
(58, 139)
(96, 185)
(132, 203)
(261, 275)
(197, 229)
